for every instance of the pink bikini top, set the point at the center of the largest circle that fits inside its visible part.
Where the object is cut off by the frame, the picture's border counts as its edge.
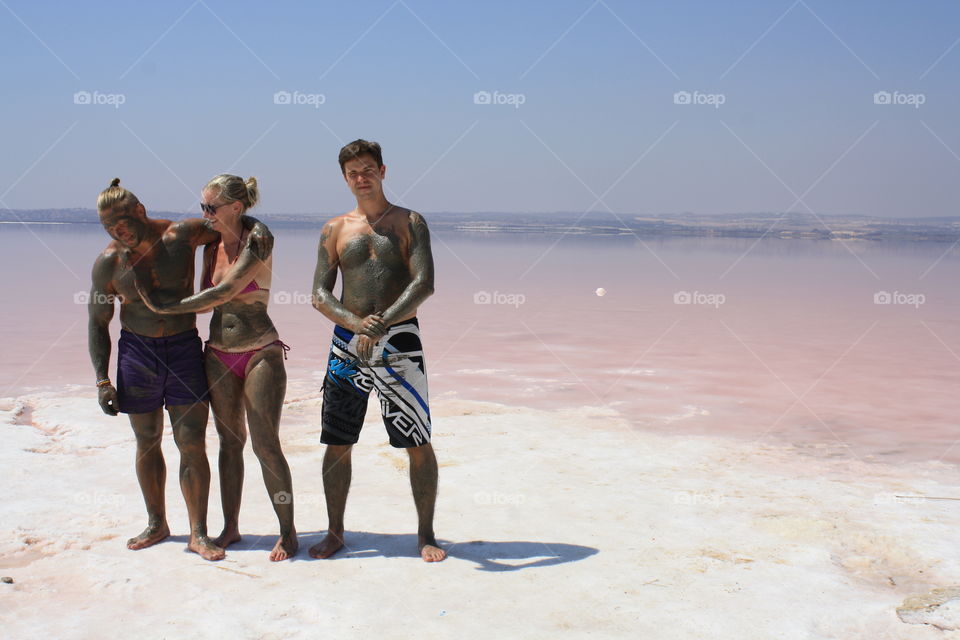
(208, 282)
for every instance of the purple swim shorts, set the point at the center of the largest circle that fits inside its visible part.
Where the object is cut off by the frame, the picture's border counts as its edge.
(153, 372)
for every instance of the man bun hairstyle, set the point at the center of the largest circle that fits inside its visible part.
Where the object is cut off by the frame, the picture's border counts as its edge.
(231, 188)
(116, 197)
(358, 148)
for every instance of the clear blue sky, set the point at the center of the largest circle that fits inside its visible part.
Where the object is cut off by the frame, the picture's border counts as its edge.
(597, 81)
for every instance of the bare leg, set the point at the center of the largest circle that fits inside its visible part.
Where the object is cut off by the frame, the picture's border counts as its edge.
(423, 481)
(263, 393)
(189, 425)
(226, 399)
(337, 471)
(152, 475)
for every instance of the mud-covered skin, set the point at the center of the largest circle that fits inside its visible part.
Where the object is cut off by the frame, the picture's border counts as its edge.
(383, 252)
(387, 268)
(240, 321)
(158, 254)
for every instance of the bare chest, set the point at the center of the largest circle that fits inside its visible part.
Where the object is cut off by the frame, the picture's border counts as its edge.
(362, 249)
(169, 267)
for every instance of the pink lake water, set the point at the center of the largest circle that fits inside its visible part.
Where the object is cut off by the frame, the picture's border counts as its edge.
(843, 349)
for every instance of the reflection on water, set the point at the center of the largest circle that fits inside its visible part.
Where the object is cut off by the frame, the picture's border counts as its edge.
(846, 347)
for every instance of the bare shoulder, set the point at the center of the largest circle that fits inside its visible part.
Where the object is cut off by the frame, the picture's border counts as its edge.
(111, 254)
(106, 263)
(417, 222)
(338, 221)
(188, 227)
(333, 226)
(416, 217)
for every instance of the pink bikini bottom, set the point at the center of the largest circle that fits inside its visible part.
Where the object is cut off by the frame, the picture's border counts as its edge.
(237, 361)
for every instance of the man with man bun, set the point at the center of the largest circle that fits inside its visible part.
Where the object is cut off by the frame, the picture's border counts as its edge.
(160, 357)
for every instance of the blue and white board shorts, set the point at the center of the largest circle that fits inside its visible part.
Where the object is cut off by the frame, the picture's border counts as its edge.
(397, 372)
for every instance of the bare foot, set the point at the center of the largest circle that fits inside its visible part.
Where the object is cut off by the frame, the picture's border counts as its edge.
(430, 551)
(205, 547)
(226, 538)
(328, 546)
(285, 548)
(153, 534)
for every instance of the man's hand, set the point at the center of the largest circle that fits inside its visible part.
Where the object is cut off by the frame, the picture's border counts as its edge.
(107, 397)
(373, 326)
(260, 241)
(365, 346)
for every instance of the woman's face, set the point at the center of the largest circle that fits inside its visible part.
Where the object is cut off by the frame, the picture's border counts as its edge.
(216, 212)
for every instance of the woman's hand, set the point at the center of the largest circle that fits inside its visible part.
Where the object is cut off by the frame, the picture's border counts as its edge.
(147, 301)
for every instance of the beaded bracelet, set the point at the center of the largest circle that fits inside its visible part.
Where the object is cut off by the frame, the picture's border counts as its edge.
(103, 383)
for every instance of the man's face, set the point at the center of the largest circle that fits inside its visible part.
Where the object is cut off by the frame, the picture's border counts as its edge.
(128, 227)
(364, 177)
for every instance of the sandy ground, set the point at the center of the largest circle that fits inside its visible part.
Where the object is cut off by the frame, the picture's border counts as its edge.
(555, 523)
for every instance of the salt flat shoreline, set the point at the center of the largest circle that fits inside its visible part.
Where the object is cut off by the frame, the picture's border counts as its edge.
(556, 522)
(789, 226)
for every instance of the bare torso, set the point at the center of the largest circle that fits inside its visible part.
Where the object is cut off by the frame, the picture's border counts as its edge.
(242, 323)
(169, 267)
(374, 262)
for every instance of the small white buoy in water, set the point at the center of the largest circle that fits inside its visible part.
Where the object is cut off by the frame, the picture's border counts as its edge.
(601, 292)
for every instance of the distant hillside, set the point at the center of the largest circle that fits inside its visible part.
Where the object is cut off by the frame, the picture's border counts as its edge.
(746, 225)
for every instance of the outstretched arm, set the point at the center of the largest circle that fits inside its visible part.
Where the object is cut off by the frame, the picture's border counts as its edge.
(240, 274)
(421, 268)
(100, 311)
(259, 239)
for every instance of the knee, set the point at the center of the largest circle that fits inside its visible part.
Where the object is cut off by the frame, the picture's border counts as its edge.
(423, 453)
(189, 440)
(232, 442)
(339, 451)
(147, 443)
(269, 450)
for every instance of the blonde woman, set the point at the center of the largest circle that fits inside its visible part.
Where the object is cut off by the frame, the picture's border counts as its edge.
(244, 358)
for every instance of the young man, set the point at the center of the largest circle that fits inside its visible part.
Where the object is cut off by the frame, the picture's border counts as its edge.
(383, 253)
(160, 357)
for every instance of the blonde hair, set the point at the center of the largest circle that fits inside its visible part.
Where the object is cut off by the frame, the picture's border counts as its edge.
(114, 197)
(232, 189)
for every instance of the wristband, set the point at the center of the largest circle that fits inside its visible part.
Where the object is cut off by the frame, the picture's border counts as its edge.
(103, 383)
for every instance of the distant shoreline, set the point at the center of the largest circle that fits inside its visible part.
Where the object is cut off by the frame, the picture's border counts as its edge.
(745, 225)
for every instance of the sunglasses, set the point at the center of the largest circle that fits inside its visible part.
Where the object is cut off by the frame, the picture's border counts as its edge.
(209, 208)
